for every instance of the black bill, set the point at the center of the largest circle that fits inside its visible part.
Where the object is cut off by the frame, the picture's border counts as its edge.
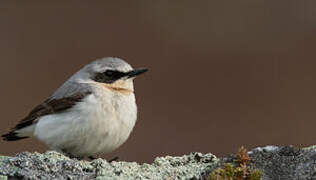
(136, 72)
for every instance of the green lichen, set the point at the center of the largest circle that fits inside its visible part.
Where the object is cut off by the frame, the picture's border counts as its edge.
(229, 172)
(256, 174)
(3, 177)
(241, 172)
(53, 165)
(3, 159)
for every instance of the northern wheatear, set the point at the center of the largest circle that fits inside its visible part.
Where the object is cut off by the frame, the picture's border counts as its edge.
(93, 112)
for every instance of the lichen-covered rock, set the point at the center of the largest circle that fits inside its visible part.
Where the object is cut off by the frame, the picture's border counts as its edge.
(281, 163)
(285, 162)
(53, 165)
(278, 163)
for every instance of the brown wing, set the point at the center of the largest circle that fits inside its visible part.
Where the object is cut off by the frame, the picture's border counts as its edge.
(49, 106)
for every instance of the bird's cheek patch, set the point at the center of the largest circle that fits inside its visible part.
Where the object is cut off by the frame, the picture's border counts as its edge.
(118, 88)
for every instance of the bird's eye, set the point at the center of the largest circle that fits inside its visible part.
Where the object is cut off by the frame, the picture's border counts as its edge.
(109, 76)
(109, 73)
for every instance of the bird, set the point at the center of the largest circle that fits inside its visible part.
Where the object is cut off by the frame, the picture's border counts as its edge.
(92, 113)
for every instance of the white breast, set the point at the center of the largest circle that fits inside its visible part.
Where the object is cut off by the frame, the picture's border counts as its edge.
(99, 124)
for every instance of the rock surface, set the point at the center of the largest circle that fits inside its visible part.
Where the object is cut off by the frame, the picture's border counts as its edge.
(279, 163)
(53, 165)
(275, 162)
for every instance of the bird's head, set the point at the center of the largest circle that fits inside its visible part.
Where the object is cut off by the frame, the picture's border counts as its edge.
(112, 73)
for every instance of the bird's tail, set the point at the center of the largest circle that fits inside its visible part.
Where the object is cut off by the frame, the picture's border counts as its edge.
(12, 136)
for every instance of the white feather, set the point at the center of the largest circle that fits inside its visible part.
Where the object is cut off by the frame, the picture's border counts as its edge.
(99, 124)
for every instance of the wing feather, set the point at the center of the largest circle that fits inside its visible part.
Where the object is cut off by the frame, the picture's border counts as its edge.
(61, 101)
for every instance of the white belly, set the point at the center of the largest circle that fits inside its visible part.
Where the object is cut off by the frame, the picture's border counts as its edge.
(95, 125)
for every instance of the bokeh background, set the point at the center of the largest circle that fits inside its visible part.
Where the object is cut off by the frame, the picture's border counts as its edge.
(222, 74)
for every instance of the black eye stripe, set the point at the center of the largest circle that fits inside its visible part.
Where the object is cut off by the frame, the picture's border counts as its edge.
(109, 76)
(111, 73)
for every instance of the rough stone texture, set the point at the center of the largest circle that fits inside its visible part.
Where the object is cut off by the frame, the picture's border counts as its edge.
(277, 163)
(53, 165)
(285, 162)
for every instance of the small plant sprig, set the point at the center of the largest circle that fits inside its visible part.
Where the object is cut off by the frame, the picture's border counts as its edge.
(241, 172)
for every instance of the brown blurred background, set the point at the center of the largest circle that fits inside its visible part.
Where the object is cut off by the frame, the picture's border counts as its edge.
(222, 74)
